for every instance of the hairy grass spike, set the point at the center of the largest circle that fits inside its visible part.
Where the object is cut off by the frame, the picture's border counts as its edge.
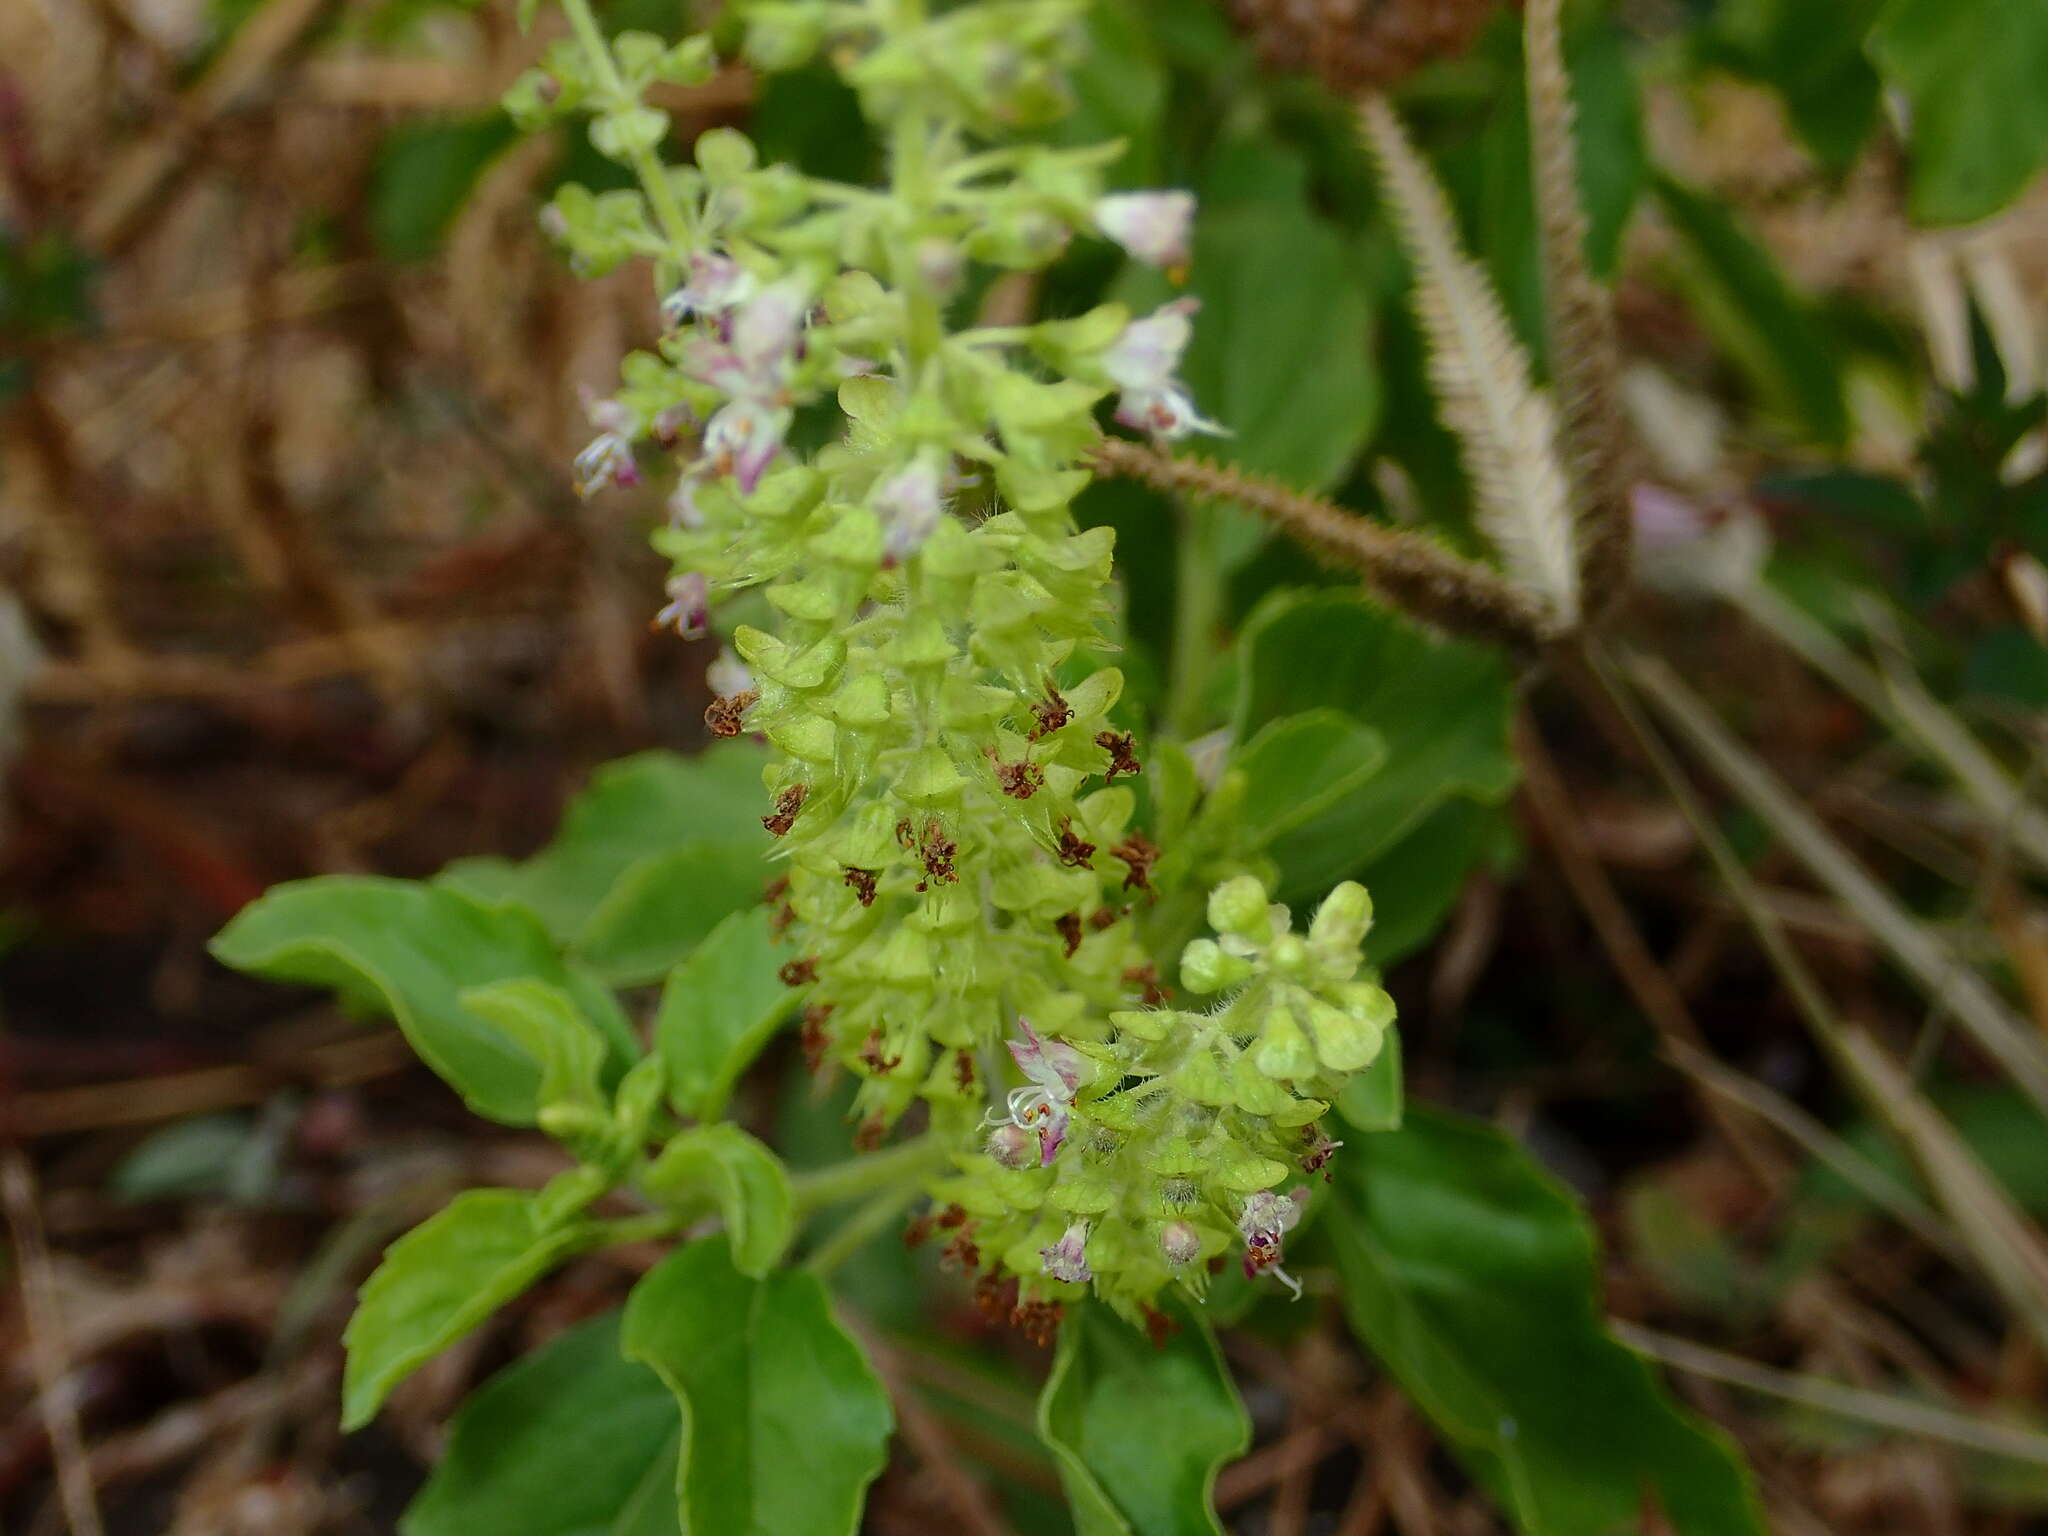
(1504, 424)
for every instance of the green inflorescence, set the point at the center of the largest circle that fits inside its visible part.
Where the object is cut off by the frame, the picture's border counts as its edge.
(948, 782)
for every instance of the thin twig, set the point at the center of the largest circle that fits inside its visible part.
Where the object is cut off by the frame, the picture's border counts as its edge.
(1414, 573)
(1922, 1420)
(1996, 1027)
(47, 1349)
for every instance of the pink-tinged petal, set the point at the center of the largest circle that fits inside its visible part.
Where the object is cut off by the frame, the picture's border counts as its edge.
(716, 283)
(1663, 519)
(1052, 1133)
(1147, 353)
(1053, 1065)
(606, 459)
(1068, 1258)
(767, 326)
(1152, 226)
(720, 366)
(743, 439)
(909, 507)
(688, 609)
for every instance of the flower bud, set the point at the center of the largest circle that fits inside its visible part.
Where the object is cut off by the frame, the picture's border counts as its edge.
(1013, 1146)
(1152, 226)
(940, 263)
(1205, 968)
(1239, 907)
(1283, 1051)
(1180, 1242)
(1287, 956)
(1342, 921)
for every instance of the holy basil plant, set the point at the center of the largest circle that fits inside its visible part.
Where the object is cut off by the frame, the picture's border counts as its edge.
(1041, 953)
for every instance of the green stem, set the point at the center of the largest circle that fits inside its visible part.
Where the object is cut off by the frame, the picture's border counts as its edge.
(661, 197)
(857, 1176)
(1197, 609)
(860, 1229)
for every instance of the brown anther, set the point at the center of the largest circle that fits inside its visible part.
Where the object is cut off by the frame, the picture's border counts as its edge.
(814, 1039)
(787, 804)
(953, 1217)
(1051, 713)
(775, 889)
(1122, 752)
(1068, 926)
(871, 1055)
(1147, 976)
(963, 1071)
(870, 1133)
(799, 973)
(995, 1294)
(960, 1255)
(862, 882)
(905, 838)
(1158, 1326)
(1038, 1321)
(1103, 917)
(1140, 853)
(722, 715)
(1321, 1150)
(918, 1230)
(937, 851)
(1072, 851)
(1019, 780)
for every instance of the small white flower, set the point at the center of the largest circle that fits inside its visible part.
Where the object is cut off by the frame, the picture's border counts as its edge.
(909, 507)
(1266, 1220)
(1142, 363)
(1054, 1068)
(728, 675)
(606, 460)
(743, 438)
(716, 284)
(688, 609)
(1180, 1242)
(1152, 226)
(1068, 1258)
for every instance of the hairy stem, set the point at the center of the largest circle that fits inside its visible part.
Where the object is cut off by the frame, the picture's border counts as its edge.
(857, 1176)
(661, 197)
(1415, 574)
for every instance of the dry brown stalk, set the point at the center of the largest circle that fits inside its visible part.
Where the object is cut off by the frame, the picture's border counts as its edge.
(1414, 573)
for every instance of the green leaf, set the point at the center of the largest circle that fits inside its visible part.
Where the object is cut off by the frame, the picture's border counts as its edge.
(1473, 1276)
(1744, 301)
(664, 906)
(1972, 71)
(1814, 57)
(423, 175)
(1298, 766)
(1417, 881)
(410, 951)
(636, 810)
(545, 1022)
(743, 1178)
(1441, 707)
(784, 1422)
(1139, 1432)
(719, 1008)
(573, 1440)
(1374, 1099)
(441, 1280)
(1282, 349)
